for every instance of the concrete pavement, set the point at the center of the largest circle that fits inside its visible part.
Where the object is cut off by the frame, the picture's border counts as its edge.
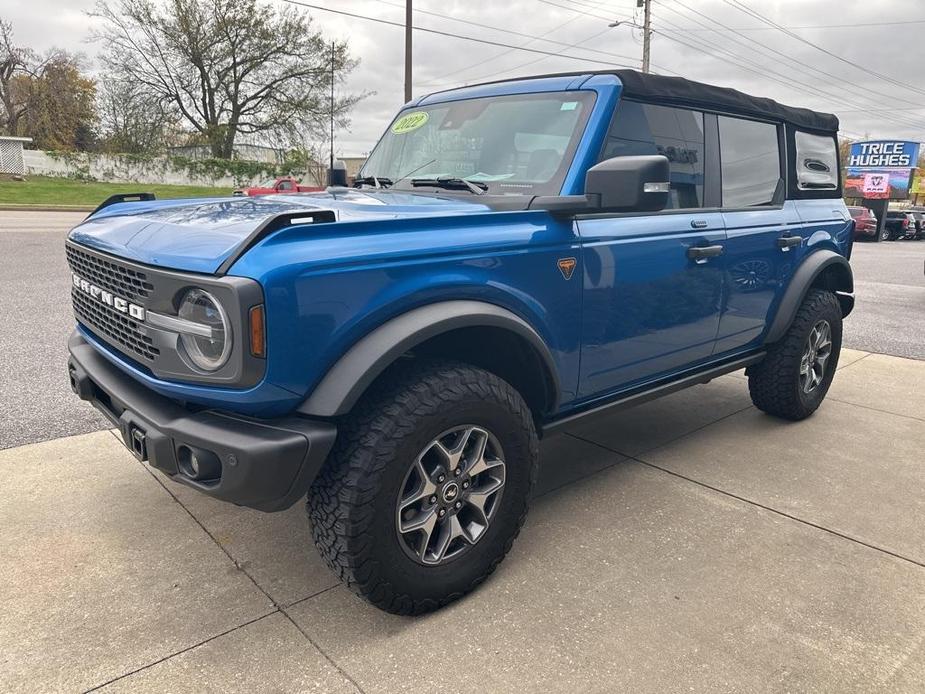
(691, 544)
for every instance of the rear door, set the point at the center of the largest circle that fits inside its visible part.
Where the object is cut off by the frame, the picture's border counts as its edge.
(763, 232)
(652, 282)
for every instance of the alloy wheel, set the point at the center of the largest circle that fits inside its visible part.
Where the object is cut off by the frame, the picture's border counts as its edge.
(450, 495)
(815, 356)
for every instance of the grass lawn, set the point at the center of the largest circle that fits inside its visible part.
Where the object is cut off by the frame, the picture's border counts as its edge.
(45, 190)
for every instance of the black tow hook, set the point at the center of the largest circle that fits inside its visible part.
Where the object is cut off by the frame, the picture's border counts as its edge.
(137, 439)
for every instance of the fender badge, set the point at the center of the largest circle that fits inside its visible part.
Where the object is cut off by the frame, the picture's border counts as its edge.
(567, 267)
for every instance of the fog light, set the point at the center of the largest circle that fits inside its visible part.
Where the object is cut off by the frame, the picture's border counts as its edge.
(198, 464)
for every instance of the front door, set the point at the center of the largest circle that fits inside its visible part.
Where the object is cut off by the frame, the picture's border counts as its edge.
(652, 296)
(653, 282)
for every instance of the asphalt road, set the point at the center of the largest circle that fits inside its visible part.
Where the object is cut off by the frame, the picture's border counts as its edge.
(36, 319)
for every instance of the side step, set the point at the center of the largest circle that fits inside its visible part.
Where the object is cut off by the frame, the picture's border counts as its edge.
(639, 396)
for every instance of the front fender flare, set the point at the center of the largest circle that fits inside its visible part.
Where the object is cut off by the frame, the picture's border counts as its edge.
(344, 383)
(801, 282)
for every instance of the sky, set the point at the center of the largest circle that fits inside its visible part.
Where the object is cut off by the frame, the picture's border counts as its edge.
(859, 59)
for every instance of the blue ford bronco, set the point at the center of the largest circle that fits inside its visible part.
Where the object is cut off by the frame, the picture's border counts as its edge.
(513, 257)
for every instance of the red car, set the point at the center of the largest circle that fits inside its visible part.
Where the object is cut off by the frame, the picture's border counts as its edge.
(286, 184)
(865, 223)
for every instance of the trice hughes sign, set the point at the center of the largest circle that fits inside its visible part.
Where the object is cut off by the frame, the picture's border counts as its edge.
(892, 154)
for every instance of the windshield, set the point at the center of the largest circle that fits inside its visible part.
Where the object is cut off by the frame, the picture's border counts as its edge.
(521, 144)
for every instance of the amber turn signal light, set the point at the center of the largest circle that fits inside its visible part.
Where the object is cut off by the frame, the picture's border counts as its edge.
(258, 332)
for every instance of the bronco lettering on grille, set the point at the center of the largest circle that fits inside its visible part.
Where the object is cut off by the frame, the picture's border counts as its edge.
(115, 302)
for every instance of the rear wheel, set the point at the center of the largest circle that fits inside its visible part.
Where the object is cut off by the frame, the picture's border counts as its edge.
(427, 486)
(795, 376)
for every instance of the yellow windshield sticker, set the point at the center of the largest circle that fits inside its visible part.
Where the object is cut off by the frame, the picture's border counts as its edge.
(409, 122)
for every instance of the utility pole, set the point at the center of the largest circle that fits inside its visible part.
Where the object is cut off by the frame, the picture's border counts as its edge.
(331, 163)
(408, 29)
(646, 31)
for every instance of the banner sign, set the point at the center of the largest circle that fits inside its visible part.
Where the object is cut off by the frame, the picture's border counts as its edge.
(891, 154)
(918, 184)
(877, 183)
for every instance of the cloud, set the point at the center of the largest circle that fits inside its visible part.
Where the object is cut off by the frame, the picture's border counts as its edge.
(680, 45)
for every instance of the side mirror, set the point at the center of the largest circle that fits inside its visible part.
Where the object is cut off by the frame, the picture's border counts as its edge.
(629, 184)
(621, 184)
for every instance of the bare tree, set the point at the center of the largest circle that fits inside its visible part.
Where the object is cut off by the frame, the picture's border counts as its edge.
(15, 62)
(228, 67)
(130, 119)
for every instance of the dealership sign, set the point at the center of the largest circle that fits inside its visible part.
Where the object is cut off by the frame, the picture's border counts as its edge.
(893, 154)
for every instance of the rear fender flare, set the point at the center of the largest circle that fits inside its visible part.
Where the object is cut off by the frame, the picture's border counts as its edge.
(806, 274)
(346, 381)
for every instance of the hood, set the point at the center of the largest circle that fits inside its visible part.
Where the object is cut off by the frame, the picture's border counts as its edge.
(198, 235)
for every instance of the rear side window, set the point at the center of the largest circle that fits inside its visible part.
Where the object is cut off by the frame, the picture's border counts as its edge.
(816, 162)
(677, 133)
(750, 158)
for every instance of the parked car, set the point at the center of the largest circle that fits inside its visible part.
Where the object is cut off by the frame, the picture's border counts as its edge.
(865, 223)
(899, 224)
(919, 218)
(271, 186)
(516, 257)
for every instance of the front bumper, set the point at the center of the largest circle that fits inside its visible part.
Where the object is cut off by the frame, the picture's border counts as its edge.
(263, 464)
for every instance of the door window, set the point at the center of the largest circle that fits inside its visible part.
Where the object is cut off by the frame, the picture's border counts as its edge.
(750, 156)
(677, 133)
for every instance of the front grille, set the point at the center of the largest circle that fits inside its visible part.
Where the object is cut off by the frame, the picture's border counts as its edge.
(108, 274)
(114, 325)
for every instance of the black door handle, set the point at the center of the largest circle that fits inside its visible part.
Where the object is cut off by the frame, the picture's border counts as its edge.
(785, 243)
(698, 223)
(703, 253)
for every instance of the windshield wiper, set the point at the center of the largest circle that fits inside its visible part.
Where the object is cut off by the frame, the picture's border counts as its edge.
(375, 181)
(451, 183)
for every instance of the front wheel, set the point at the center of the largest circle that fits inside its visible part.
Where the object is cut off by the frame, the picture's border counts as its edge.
(427, 486)
(794, 377)
(885, 235)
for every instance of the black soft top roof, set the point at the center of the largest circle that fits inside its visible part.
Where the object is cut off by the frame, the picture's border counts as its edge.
(678, 90)
(681, 91)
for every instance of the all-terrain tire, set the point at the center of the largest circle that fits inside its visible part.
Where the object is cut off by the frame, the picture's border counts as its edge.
(353, 502)
(774, 383)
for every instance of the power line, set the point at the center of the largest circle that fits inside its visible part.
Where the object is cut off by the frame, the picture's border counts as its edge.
(541, 37)
(469, 80)
(742, 7)
(452, 35)
(576, 9)
(865, 25)
(763, 71)
(750, 45)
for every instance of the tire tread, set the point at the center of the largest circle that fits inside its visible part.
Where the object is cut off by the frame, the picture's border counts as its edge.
(771, 382)
(338, 502)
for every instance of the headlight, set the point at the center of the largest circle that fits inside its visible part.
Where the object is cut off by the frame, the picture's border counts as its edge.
(207, 353)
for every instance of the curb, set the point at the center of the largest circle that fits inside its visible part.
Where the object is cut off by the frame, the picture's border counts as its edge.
(10, 207)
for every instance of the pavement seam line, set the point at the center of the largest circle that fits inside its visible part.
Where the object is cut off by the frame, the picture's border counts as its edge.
(279, 608)
(313, 595)
(852, 363)
(875, 409)
(180, 652)
(323, 652)
(758, 504)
